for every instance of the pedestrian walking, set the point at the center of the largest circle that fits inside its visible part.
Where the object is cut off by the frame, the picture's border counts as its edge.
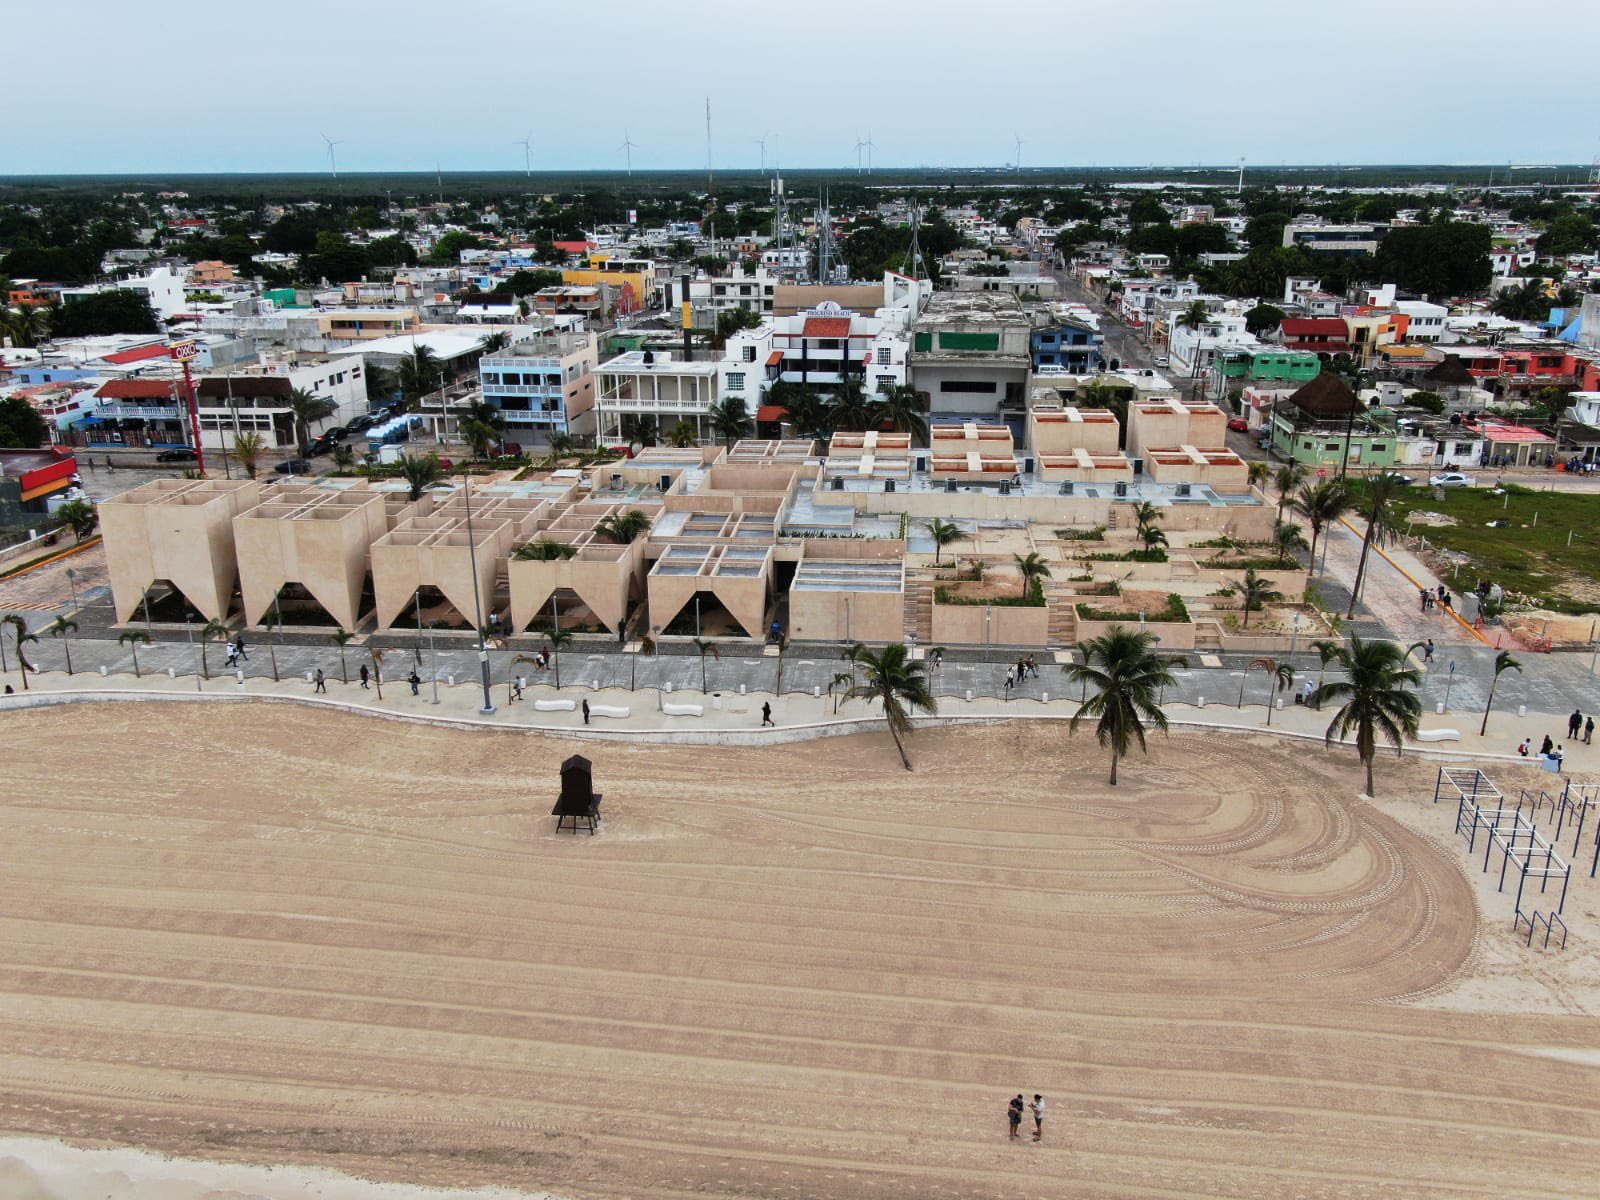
(1523, 749)
(516, 689)
(1588, 731)
(1423, 593)
(1014, 1114)
(766, 714)
(238, 646)
(1305, 692)
(366, 675)
(1574, 723)
(1037, 1108)
(415, 681)
(1546, 746)
(321, 681)
(585, 712)
(233, 655)
(1427, 651)
(1011, 681)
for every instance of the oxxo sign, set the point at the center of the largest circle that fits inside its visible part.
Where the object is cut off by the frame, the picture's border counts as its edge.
(185, 351)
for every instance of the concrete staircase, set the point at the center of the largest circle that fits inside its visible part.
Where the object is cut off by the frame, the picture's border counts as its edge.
(919, 604)
(1063, 628)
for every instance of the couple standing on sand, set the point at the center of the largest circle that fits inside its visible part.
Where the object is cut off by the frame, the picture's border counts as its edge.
(1014, 1115)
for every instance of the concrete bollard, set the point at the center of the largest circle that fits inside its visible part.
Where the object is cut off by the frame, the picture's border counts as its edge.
(969, 695)
(1522, 710)
(172, 673)
(1200, 702)
(1280, 703)
(816, 690)
(308, 676)
(450, 680)
(1044, 697)
(669, 688)
(1439, 707)
(239, 675)
(102, 669)
(741, 689)
(716, 701)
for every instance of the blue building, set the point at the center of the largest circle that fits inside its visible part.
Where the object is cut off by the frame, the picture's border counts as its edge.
(1069, 345)
(543, 386)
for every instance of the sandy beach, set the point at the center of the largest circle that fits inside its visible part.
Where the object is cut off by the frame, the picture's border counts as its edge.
(257, 935)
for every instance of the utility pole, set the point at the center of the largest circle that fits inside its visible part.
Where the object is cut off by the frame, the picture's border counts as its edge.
(711, 179)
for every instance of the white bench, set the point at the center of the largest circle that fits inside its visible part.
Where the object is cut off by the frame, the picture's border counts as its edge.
(554, 705)
(607, 710)
(684, 710)
(1438, 735)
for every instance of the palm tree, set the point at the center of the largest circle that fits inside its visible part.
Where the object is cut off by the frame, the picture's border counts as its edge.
(1327, 651)
(561, 445)
(20, 636)
(544, 550)
(1288, 541)
(1321, 504)
(901, 406)
(1380, 527)
(343, 456)
(851, 409)
(1255, 592)
(844, 681)
(1152, 538)
(783, 644)
(27, 324)
(705, 646)
(80, 516)
(306, 409)
(212, 629)
(624, 527)
(1145, 515)
(420, 373)
(683, 434)
(376, 655)
(1289, 477)
(1034, 571)
(59, 628)
(1379, 691)
(943, 533)
(420, 471)
(1128, 677)
(890, 676)
(248, 449)
(1502, 662)
(730, 419)
(494, 343)
(342, 638)
(558, 638)
(1259, 471)
(643, 430)
(380, 384)
(272, 622)
(804, 411)
(1196, 315)
(131, 639)
(479, 436)
(1280, 674)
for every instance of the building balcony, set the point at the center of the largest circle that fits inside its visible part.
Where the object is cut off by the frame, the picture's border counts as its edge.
(649, 405)
(140, 412)
(550, 391)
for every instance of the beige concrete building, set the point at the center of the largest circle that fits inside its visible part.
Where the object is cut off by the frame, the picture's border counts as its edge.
(177, 531)
(972, 453)
(1175, 422)
(1059, 430)
(1222, 470)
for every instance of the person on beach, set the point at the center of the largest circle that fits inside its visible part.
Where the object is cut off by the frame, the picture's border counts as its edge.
(415, 681)
(516, 688)
(1588, 731)
(585, 712)
(1427, 651)
(321, 681)
(233, 656)
(1523, 749)
(1547, 745)
(238, 647)
(766, 715)
(1014, 1115)
(1574, 723)
(366, 676)
(1037, 1108)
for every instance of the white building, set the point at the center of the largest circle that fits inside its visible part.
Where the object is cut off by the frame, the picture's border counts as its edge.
(1426, 320)
(1193, 349)
(161, 286)
(651, 384)
(255, 399)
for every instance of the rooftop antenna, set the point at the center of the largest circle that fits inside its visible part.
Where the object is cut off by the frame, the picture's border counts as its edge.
(628, 147)
(913, 264)
(870, 148)
(527, 153)
(1594, 167)
(1018, 163)
(1240, 186)
(438, 174)
(824, 239)
(711, 179)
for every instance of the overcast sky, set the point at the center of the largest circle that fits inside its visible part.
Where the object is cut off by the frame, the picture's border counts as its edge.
(113, 86)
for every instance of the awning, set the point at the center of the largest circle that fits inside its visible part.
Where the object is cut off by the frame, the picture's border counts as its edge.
(771, 412)
(775, 358)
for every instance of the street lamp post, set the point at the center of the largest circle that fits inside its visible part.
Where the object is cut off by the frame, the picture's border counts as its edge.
(477, 599)
(1449, 680)
(1294, 638)
(72, 582)
(188, 629)
(433, 662)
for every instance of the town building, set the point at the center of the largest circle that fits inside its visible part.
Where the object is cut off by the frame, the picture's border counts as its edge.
(970, 357)
(544, 386)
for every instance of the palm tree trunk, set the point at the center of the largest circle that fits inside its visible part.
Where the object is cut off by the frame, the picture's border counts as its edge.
(1370, 789)
(1114, 757)
(1484, 728)
(344, 672)
(205, 666)
(899, 745)
(135, 650)
(1361, 571)
(66, 646)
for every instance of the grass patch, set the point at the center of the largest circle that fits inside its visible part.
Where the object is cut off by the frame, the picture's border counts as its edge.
(1534, 560)
(1175, 610)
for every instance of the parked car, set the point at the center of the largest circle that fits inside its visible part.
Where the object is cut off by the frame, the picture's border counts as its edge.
(1161, 360)
(1238, 424)
(364, 422)
(1400, 480)
(335, 433)
(322, 445)
(294, 466)
(1450, 479)
(185, 455)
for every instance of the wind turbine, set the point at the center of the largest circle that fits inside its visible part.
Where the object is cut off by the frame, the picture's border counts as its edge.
(870, 148)
(1017, 161)
(333, 162)
(859, 144)
(628, 147)
(762, 142)
(527, 154)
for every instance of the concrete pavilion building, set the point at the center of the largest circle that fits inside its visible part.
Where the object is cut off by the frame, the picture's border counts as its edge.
(173, 538)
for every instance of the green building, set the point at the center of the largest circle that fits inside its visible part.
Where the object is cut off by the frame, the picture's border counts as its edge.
(1311, 427)
(1283, 366)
